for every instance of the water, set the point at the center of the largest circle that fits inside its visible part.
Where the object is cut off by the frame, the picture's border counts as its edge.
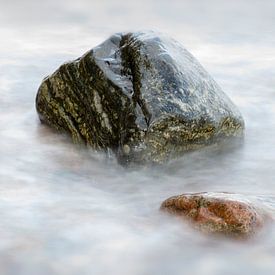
(65, 210)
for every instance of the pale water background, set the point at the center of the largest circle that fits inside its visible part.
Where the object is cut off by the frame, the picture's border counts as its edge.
(64, 210)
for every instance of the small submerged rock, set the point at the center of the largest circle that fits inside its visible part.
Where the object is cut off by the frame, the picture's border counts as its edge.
(142, 95)
(223, 213)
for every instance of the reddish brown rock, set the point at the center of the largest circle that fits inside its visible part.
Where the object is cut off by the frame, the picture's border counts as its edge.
(228, 214)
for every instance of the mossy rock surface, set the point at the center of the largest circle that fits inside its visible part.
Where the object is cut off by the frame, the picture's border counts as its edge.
(142, 95)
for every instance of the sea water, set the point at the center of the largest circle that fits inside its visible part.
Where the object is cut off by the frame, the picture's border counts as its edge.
(68, 210)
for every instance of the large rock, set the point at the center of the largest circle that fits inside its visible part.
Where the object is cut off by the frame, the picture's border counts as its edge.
(224, 213)
(140, 94)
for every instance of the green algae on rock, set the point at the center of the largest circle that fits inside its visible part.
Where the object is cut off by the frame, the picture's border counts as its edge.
(223, 213)
(141, 95)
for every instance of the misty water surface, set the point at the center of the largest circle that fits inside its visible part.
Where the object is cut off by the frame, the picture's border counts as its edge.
(66, 210)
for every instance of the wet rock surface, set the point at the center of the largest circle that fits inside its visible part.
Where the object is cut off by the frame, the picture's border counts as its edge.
(141, 95)
(219, 213)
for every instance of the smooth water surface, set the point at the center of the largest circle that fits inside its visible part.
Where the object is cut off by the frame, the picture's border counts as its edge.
(66, 210)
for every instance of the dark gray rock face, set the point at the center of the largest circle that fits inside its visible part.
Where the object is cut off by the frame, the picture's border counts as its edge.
(140, 94)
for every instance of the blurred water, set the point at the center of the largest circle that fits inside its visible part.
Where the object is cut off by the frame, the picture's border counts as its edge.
(64, 210)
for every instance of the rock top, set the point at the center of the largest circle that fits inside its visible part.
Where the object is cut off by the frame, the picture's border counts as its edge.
(223, 213)
(142, 95)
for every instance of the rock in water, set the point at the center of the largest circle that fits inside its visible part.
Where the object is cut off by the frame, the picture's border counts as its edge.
(223, 213)
(140, 94)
